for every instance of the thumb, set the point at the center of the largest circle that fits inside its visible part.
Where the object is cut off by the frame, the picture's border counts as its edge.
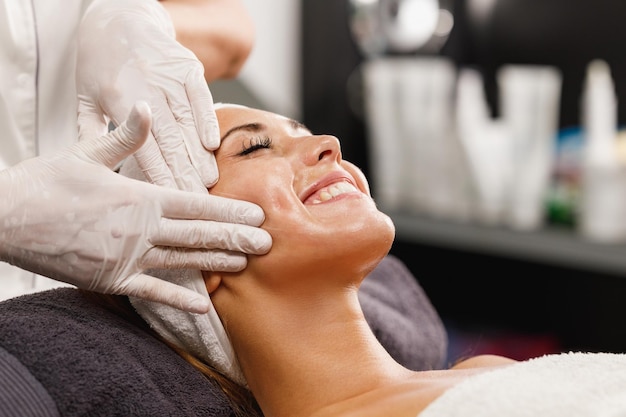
(112, 148)
(91, 120)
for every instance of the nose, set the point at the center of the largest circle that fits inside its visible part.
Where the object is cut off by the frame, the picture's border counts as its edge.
(322, 147)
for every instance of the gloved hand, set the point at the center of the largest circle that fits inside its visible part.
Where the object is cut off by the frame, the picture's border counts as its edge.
(127, 51)
(71, 218)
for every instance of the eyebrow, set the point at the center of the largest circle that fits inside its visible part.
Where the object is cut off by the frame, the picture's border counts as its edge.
(295, 125)
(258, 127)
(248, 127)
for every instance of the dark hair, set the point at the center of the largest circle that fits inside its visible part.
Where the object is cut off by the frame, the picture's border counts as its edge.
(241, 399)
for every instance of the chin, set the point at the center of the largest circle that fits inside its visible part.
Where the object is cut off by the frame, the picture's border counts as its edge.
(348, 248)
(382, 241)
(367, 243)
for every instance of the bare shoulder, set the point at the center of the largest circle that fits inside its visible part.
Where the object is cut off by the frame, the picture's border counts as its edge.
(482, 361)
(409, 397)
(398, 400)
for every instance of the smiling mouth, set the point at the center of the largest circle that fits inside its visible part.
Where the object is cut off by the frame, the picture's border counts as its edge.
(330, 192)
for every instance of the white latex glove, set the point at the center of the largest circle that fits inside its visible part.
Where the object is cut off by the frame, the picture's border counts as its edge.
(127, 51)
(73, 219)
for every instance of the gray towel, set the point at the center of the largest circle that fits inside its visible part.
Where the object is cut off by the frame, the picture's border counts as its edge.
(402, 317)
(94, 363)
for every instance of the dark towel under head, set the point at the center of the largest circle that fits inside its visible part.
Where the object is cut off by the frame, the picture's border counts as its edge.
(94, 363)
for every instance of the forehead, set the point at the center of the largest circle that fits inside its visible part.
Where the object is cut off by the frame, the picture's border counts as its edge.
(230, 117)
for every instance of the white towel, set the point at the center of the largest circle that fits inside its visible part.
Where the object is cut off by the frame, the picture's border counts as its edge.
(203, 335)
(560, 385)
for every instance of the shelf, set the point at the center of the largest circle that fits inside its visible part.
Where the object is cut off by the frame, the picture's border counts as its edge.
(553, 246)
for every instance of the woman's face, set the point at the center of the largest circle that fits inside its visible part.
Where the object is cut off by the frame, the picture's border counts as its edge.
(317, 206)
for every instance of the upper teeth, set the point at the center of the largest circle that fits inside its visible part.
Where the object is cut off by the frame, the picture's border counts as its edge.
(332, 191)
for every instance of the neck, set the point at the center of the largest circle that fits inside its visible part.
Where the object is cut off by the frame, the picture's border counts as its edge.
(305, 350)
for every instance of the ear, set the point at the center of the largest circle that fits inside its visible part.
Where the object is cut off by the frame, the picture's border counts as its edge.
(212, 280)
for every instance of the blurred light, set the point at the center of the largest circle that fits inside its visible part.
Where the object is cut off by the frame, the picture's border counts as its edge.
(480, 10)
(410, 24)
(387, 26)
(445, 23)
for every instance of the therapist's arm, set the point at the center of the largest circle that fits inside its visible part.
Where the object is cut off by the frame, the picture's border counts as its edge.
(219, 32)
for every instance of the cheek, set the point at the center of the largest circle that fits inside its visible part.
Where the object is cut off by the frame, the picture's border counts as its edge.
(358, 175)
(268, 185)
(235, 182)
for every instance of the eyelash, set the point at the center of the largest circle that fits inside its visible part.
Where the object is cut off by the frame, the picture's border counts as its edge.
(255, 144)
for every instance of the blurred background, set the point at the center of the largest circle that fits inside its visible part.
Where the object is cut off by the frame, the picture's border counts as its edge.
(491, 134)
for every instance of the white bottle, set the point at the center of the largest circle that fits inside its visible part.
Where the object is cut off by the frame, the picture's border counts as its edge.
(603, 190)
(529, 106)
(487, 145)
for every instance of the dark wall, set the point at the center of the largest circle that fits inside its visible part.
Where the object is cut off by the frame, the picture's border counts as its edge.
(329, 59)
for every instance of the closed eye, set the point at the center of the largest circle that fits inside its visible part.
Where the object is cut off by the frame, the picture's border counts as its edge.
(254, 144)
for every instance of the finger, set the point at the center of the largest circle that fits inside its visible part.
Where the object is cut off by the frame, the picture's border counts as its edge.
(91, 120)
(201, 101)
(152, 164)
(170, 137)
(177, 204)
(116, 145)
(154, 289)
(204, 260)
(212, 235)
(202, 160)
(202, 134)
